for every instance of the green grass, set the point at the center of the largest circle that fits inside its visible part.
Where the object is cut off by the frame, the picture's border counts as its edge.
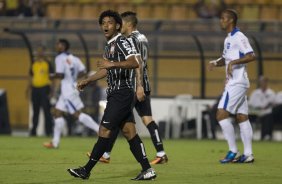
(24, 160)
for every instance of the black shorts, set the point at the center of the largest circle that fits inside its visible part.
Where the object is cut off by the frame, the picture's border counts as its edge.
(119, 109)
(144, 108)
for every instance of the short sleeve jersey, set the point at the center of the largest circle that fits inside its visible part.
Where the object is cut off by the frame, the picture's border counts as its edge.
(141, 45)
(118, 49)
(236, 45)
(70, 66)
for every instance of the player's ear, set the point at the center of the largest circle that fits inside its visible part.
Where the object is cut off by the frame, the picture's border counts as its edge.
(117, 26)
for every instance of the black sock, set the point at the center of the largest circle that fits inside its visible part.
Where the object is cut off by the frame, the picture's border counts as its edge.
(97, 152)
(155, 136)
(138, 150)
(114, 134)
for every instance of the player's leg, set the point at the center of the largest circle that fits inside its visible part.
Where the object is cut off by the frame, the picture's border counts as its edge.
(35, 98)
(111, 120)
(47, 113)
(138, 150)
(144, 110)
(75, 105)
(98, 150)
(59, 123)
(225, 106)
(246, 132)
(106, 156)
(87, 121)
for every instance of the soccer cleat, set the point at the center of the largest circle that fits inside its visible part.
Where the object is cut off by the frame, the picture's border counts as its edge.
(149, 174)
(159, 160)
(79, 173)
(102, 159)
(230, 156)
(244, 159)
(49, 145)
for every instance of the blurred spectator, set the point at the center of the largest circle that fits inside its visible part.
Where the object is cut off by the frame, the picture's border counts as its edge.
(31, 8)
(40, 89)
(11, 7)
(277, 109)
(2, 8)
(261, 103)
(209, 8)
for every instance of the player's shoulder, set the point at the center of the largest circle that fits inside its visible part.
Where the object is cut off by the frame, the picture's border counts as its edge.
(121, 38)
(61, 56)
(239, 34)
(139, 36)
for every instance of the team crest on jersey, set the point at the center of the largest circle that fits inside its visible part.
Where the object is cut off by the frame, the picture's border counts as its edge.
(228, 45)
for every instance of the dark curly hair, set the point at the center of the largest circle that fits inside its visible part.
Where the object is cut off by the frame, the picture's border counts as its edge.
(111, 13)
(65, 42)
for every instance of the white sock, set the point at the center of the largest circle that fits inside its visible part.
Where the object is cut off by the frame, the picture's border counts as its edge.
(107, 155)
(58, 127)
(160, 154)
(229, 134)
(88, 121)
(246, 132)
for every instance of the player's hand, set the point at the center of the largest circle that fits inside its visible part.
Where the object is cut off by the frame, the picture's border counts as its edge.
(140, 93)
(210, 66)
(230, 69)
(82, 84)
(105, 64)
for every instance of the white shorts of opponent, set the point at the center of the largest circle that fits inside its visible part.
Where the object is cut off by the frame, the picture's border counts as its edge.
(70, 103)
(234, 100)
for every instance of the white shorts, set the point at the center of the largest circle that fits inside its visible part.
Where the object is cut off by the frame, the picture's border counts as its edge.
(69, 104)
(234, 100)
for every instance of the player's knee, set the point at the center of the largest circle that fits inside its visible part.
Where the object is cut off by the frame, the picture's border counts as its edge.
(57, 113)
(221, 114)
(129, 131)
(104, 132)
(241, 118)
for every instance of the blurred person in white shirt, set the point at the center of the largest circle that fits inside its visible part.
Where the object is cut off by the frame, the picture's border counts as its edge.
(261, 103)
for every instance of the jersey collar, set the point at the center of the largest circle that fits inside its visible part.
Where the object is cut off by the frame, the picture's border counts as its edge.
(114, 38)
(235, 30)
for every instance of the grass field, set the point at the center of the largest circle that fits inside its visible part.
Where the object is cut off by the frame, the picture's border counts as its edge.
(24, 160)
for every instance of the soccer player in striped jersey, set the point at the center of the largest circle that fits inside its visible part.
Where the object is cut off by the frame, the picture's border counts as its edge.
(142, 86)
(118, 66)
(236, 54)
(68, 69)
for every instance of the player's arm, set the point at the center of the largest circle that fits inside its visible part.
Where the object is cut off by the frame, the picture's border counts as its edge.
(139, 79)
(216, 63)
(81, 75)
(56, 84)
(130, 63)
(98, 75)
(246, 59)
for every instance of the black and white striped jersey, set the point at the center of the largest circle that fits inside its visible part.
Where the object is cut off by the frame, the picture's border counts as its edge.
(141, 45)
(118, 49)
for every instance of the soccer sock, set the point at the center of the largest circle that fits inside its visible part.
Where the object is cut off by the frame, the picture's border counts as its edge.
(59, 124)
(88, 121)
(114, 134)
(138, 150)
(97, 152)
(246, 136)
(155, 136)
(229, 134)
